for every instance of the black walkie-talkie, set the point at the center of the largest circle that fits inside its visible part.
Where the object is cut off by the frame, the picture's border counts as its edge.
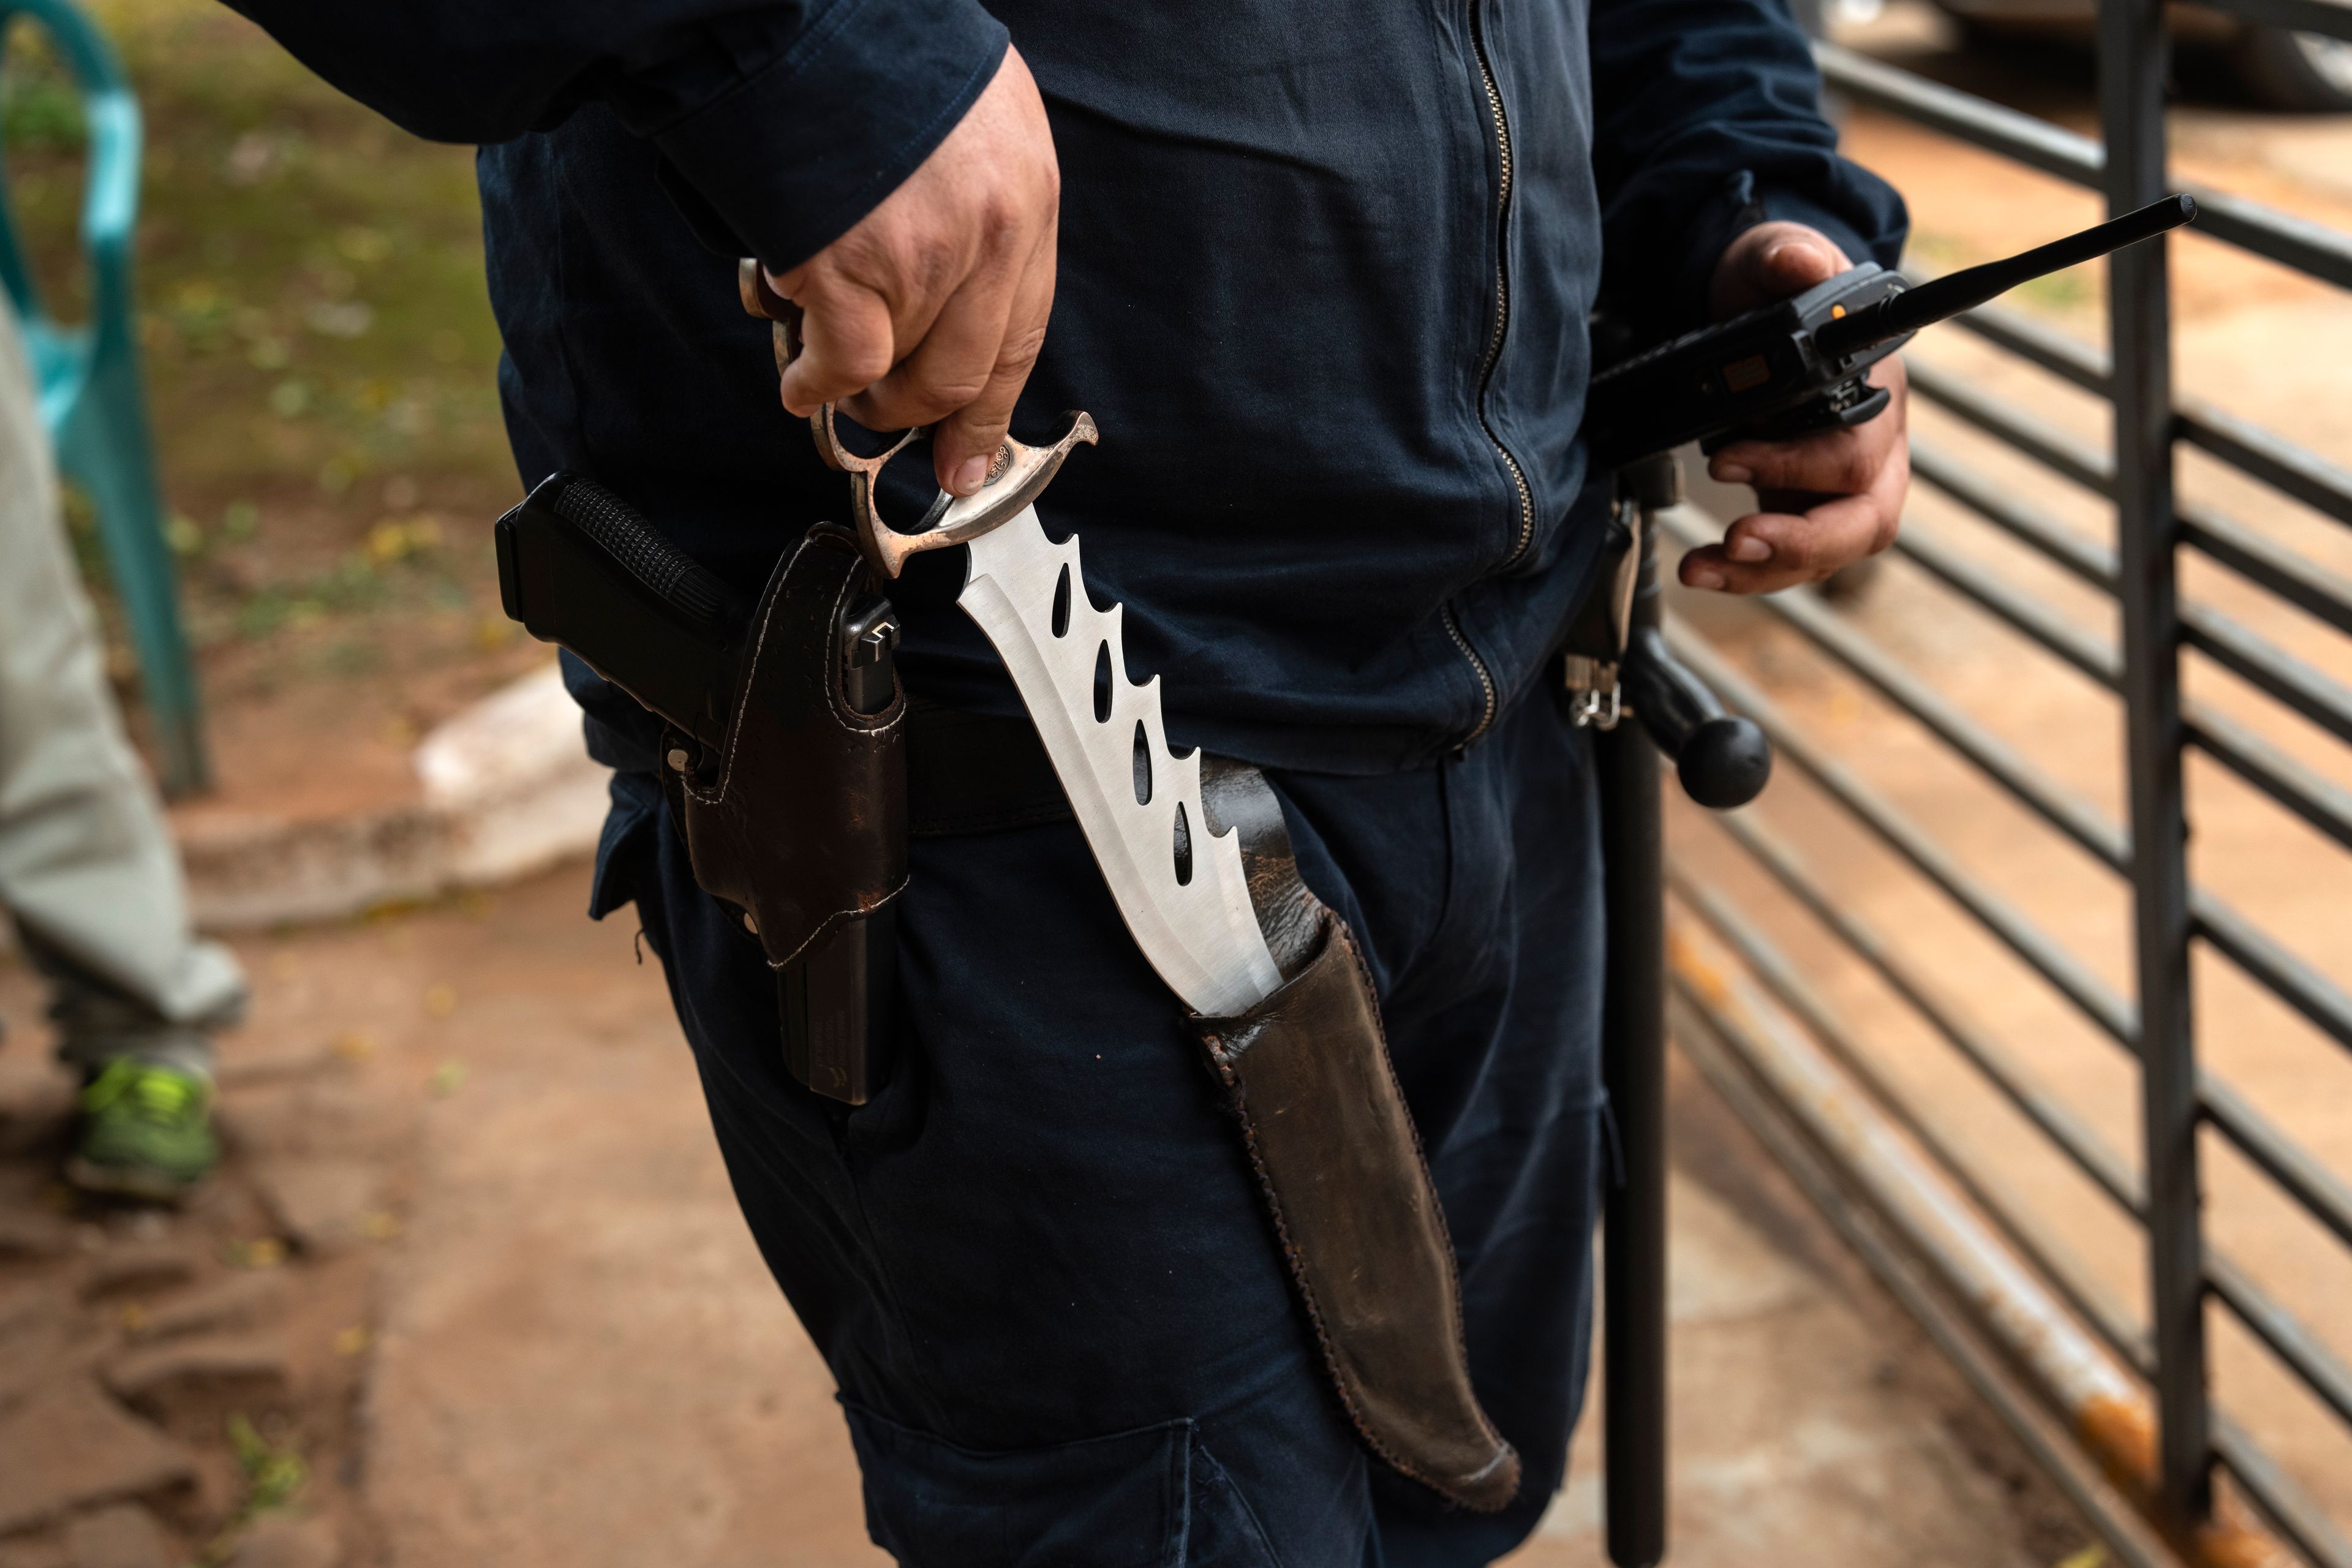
(1802, 363)
(577, 567)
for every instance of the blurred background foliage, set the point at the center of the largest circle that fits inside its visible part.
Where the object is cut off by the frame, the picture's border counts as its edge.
(321, 358)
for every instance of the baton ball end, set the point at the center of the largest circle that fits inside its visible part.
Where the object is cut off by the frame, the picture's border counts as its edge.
(1725, 762)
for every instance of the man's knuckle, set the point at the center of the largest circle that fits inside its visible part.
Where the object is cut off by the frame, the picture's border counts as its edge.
(1020, 350)
(863, 363)
(944, 395)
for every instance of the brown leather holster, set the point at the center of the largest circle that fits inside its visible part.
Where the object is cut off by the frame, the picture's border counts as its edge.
(1306, 1074)
(802, 819)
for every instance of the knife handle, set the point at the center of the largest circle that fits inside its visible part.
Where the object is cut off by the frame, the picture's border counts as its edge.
(1015, 480)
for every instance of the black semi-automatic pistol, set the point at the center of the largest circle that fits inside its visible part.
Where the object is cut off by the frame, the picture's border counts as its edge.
(1804, 363)
(580, 568)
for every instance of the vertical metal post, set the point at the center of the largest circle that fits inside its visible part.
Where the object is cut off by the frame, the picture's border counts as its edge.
(2132, 71)
(1633, 1068)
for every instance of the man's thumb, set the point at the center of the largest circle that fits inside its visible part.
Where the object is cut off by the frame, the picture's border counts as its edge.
(1796, 263)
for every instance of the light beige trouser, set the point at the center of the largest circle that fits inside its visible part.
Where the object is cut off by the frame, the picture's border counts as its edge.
(88, 870)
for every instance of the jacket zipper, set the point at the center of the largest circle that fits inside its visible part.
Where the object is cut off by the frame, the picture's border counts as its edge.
(1493, 355)
(1502, 281)
(1477, 668)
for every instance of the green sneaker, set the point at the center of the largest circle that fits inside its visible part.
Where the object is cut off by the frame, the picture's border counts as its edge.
(146, 1133)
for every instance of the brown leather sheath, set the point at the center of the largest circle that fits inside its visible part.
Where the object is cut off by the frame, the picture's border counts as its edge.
(1306, 1074)
(798, 754)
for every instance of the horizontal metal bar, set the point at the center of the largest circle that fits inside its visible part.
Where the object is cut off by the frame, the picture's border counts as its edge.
(2294, 1345)
(2311, 1362)
(2309, 248)
(2321, 1192)
(2296, 15)
(2093, 657)
(2290, 469)
(1704, 1040)
(2081, 821)
(2303, 1355)
(1971, 119)
(1760, 1050)
(2318, 1190)
(2239, 650)
(2272, 459)
(2284, 974)
(2067, 975)
(2284, 572)
(2292, 576)
(2320, 801)
(1785, 981)
(2086, 466)
(2086, 559)
(2051, 349)
(2278, 1496)
(2290, 978)
(2072, 1137)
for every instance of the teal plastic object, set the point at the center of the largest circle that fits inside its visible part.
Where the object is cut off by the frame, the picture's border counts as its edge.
(92, 397)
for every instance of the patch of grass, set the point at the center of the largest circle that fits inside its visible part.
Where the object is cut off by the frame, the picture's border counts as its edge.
(274, 1475)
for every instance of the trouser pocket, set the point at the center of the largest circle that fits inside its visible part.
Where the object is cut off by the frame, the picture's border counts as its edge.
(1150, 1497)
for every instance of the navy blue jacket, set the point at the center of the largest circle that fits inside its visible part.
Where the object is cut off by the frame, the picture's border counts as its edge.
(1325, 276)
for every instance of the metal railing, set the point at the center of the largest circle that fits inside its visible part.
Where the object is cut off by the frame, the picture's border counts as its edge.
(1752, 1021)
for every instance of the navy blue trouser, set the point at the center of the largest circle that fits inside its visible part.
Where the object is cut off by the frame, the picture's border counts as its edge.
(1036, 1262)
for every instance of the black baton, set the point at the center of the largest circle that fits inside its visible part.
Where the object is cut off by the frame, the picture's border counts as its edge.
(1723, 762)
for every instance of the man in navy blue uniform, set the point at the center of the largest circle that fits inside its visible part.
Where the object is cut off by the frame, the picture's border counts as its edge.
(1322, 274)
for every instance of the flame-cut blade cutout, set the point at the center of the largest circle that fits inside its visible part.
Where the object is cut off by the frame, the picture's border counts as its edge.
(1182, 891)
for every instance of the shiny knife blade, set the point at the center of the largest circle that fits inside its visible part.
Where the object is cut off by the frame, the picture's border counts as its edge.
(1180, 889)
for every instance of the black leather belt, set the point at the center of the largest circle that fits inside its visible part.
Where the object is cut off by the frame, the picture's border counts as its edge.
(975, 773)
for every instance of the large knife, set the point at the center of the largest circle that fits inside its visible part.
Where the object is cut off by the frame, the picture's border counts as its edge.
(1181, 887)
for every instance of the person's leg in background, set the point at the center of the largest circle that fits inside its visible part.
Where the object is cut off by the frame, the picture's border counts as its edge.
(88, 870)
